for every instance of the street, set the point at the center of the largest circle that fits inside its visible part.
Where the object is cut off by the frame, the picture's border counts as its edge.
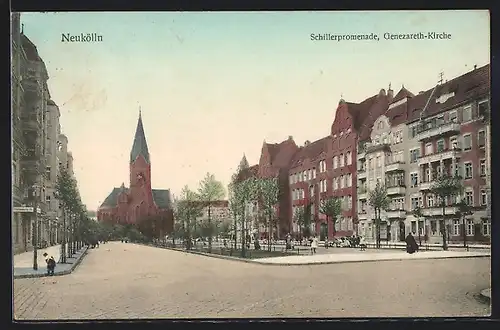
(121, 280)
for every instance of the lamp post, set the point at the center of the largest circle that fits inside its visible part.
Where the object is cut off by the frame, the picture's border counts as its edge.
(35, 227)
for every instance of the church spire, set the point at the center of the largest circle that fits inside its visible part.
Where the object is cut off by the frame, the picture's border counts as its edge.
(140, 146)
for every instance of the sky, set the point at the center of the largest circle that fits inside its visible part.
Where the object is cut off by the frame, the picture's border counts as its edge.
(214, 86)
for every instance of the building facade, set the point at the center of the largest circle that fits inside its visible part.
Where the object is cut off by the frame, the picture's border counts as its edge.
(440, 130)
(131, 205)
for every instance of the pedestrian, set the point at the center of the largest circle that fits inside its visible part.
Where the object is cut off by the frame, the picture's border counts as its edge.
(362, 244)
(411, 244)
(51, 264)
(314, 245)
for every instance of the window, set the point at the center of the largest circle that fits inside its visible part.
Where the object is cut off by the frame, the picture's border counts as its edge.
(470, 227)
(482, 167)
(468, 170)
(415, 201)
(314, 173)
(413, 131)
(440, 146)
(413, 180)
(305, 175)
(428, 149)
(47, 199)
(430, 201)
(349, 158)
(341, 181)
(341, 160)
(370, 163)
(452, 117)
(311, 191)
(428, 176)
(483, 108)
(467, 114)
(484, 197)
(469, 198)
(335, 162)
(486, 224)
(322, 165)
(454, 143)
(413, 227)
(456, 227)
(379, 161)
(414, 154)
(335, 183)
(349, 180)
(467, 142)
(481, 139)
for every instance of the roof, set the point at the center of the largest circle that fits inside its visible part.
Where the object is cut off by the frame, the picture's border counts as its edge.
(29, 48)
(280, 152)
(473, 84)
(310, 151)
(254, 170)
(403, 93)
(378, 106)
(359, 111)
(160, 196)
(50, 102)
(140, 146)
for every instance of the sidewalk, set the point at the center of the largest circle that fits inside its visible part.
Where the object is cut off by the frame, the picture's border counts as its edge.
(368, 256)
(23, 264)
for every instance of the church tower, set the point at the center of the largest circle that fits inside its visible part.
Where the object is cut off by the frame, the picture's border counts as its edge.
(140, 164)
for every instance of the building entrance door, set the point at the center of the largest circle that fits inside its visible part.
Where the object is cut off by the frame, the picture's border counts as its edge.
(402, 234)
(323, 232)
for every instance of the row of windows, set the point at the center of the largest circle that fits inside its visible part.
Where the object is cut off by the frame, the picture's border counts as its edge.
(307, 175)
(466, 170)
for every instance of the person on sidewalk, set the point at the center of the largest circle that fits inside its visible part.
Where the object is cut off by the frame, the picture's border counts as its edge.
(362, 243)
(51, 264)
(314, 244)
(411, 244)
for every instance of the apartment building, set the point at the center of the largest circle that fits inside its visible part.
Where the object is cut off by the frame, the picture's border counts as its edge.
(452, 137)
(407, 149)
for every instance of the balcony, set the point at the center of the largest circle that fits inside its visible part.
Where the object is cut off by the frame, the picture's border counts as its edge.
(362, 193)
(362, 215)
(425, 185)
(398, 189)
(362, 174)
(438, 211)
(395, 167)
(438, 156)
(450, 128)
(370, 147)
(395, 214)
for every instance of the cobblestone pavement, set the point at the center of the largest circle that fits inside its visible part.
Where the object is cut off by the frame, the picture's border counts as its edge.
(121, 280)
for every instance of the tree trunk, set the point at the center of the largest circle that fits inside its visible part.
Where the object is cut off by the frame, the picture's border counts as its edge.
(464, 232)
(63, 232)
(445, 243)
(270, 232)
(209, 228)
(377, 214)
(243, 238)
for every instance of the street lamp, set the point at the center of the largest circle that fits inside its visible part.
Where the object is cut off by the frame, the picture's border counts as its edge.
(35, 193)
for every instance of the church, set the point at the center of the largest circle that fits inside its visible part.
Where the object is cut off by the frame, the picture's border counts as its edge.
(138, 202)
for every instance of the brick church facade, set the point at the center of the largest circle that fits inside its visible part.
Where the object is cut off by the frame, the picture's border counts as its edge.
(138, 202)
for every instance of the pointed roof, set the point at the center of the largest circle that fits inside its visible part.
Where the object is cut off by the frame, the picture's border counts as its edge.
(140, 146)
(403, 93)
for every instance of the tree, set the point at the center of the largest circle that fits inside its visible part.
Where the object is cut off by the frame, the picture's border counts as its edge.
(378, 199)
(188, 210)
(266, 191)
(244, 193)
(417, 213)
(446, 187)
(298, 217)
(331, 208)
(210, 191)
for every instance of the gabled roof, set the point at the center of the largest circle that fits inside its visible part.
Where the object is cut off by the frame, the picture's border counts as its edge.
(473, 84)
(140, 146)
(160, 196)
(403, 92)
(311, 151)
(280, 152)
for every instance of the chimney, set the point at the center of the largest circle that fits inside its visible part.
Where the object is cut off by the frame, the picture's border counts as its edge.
(290, 138)
(475, 66)
(382, 92)
(307, 143)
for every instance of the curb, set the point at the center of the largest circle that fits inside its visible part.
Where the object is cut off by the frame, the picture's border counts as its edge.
(65, 272)
(255, 261)
(361, 261)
